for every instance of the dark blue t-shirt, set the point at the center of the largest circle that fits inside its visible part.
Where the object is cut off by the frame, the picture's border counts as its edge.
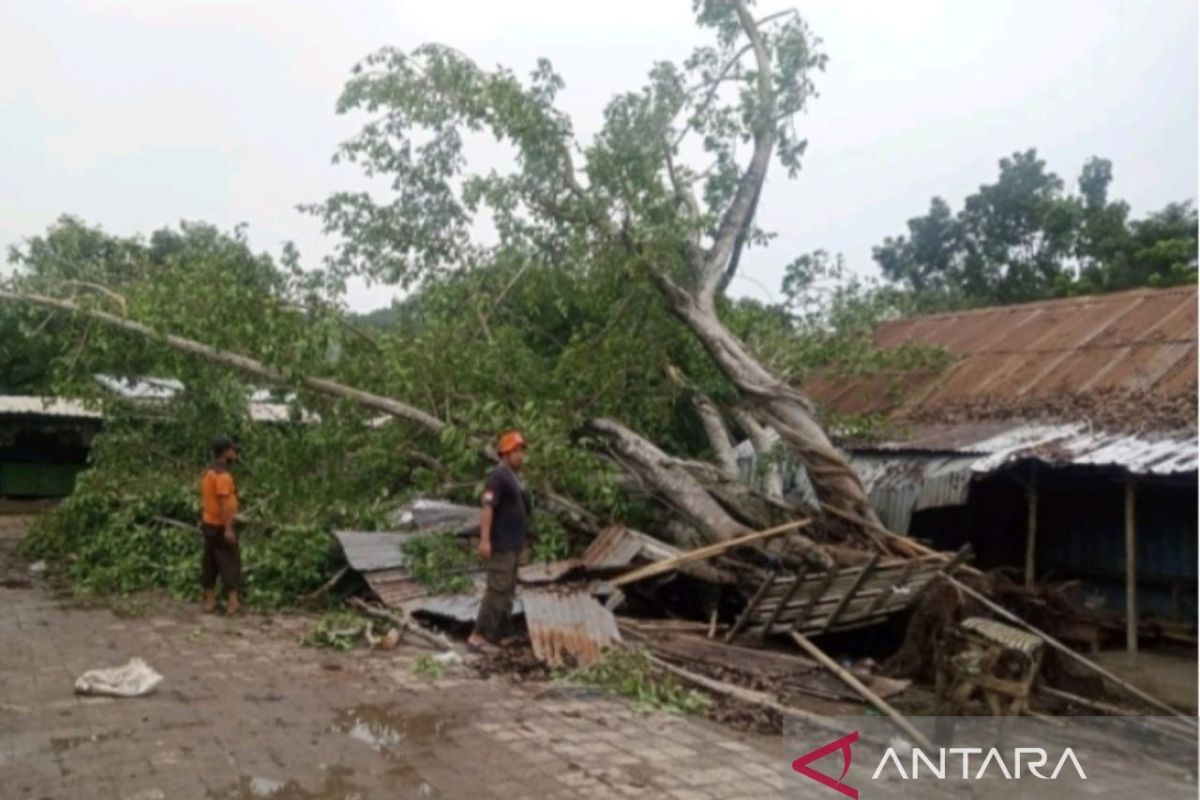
(510, 518)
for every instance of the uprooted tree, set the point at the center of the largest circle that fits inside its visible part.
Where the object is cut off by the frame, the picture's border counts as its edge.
(568, 324)
(632, 201)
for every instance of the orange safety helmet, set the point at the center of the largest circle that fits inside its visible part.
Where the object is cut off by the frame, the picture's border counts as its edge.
(511, 441)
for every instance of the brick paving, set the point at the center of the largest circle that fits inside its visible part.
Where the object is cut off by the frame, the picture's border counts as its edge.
(245, 711)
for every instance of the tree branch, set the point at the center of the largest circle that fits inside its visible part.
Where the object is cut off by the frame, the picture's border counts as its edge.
(740, 212)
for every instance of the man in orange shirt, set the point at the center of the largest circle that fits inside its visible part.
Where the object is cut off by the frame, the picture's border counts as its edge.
(219, 501)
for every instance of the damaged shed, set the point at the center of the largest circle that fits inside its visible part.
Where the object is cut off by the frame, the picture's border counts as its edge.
(1060, 443)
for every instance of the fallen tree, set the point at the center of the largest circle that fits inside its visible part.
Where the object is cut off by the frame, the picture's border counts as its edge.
(568, 327)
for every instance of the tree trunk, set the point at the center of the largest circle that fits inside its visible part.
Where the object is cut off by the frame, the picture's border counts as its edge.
(779, 406)
(693, 490)
(242, 363)
(766, 448)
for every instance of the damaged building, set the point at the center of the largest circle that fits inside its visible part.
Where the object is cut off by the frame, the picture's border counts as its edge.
(1059, 442)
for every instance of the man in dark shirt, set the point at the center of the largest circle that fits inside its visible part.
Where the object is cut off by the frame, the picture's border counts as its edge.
(503, 524)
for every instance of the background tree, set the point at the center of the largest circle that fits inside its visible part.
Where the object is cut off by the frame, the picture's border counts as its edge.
(1024, 238)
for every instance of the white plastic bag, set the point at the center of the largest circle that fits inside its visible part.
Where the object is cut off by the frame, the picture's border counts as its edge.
(132, 680)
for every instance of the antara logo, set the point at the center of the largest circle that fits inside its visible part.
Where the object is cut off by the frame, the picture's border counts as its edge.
(801, 764)
(940, 766)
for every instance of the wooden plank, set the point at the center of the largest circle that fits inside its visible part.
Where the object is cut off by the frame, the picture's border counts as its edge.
(887, 593)
(962, 555)
(849, 594)
(796, 583)
(812, 600)
(748, 614)
(703, 553)
(1131, 627)
(829, 600)
(878, 579)
(1031, 503)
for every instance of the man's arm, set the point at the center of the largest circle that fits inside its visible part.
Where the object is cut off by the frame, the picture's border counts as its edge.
(486, 514)
(228, 504)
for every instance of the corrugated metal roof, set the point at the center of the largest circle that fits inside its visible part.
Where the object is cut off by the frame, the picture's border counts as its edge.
(994, 445)
(1141, 341)
(148, 389)
(371, 551)
(27, 405)
(934, 465)
(432, 516)
(1166, 454)
(399, 589)
(617, 546)
(566, 627)
(548, 572)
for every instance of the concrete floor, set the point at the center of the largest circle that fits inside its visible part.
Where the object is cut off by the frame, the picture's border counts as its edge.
(1166, 673)
(247, 712)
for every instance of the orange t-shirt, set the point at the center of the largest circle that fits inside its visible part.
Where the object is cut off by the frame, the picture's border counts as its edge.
(214, 485)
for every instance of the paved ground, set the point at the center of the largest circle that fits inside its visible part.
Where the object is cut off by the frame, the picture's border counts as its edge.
(246, 712)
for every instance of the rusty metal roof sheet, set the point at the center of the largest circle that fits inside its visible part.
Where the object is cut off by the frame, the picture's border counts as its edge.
(567, 627)
(548, 572)
(617, 546)
(1140, 341)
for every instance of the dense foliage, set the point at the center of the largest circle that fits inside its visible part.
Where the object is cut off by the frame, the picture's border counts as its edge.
(1025, 238)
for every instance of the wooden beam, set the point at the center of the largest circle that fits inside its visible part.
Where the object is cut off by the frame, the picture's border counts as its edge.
(1131, 621)
(1069, 653)
(952, 564)
(854, 683)
(797, 579)
(886, 594)
(751, 607)
(819, 592)
(704, 553)
(1031, 504)
(849, 593)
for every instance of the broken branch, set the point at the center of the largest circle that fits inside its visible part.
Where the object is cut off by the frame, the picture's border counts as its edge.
(854, 683)
(405, 623)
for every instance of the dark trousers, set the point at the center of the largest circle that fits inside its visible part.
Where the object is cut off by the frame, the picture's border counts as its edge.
(495, 612)
(220, 558)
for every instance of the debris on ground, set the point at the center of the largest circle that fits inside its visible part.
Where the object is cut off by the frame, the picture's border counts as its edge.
(134, 679)
(725, 619)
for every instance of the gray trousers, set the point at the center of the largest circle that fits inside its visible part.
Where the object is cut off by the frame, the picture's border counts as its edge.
(495, 612)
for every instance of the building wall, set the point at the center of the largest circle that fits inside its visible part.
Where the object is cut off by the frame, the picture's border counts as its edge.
(41, 457)
(1081, 533)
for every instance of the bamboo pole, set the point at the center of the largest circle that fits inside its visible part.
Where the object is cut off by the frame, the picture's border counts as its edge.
(1131, 620)
(854, 683)
(1031, 502)
(1062, 648)
(703, 553)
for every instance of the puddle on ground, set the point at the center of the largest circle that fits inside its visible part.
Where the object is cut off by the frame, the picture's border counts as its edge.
(387, 726)
(62, 744)
(336, 786)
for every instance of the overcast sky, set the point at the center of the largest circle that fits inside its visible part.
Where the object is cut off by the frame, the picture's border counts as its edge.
(135, 114)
